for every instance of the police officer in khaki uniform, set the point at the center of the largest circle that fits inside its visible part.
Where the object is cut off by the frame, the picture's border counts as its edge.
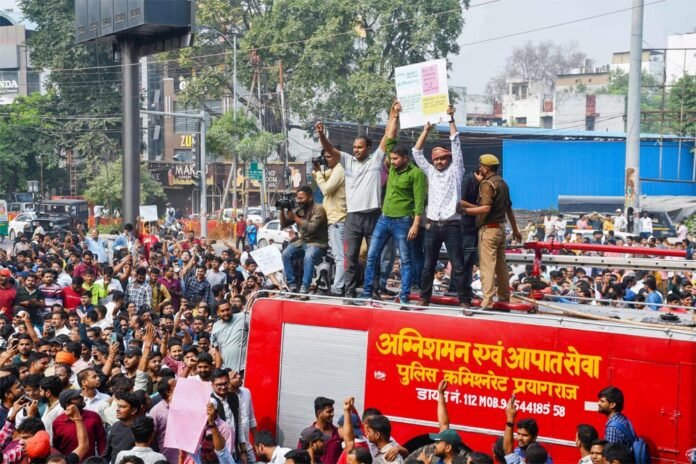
(494, 205)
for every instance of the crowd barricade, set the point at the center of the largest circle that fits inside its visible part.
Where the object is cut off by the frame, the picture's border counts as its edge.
(105, 221)
(217, 230)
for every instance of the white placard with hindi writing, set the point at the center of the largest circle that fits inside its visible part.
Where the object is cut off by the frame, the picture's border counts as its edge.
(268, 259)
(423, 93)
(148, 213)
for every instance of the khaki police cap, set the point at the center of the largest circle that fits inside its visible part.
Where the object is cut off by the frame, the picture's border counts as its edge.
(489, 160)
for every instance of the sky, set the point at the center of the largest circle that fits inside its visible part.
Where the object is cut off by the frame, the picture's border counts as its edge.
(598, 38)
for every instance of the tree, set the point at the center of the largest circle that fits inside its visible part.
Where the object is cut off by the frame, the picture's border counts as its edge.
(27, 150)
(86, 81)
(650, 98)
(338, 57)
(682, 106)
(106, 187)
(259, 147)
(540, 63)
(222, 139)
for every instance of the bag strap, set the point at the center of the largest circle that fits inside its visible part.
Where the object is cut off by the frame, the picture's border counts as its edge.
(622, 428)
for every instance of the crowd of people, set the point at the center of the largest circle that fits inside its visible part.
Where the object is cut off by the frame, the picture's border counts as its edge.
(94, 337)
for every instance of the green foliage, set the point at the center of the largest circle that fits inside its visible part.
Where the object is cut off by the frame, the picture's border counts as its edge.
(650, 98)
(106, 187)
(85, 78)
(259, 146)
(226, 132)
(27, 133)
(682, 106)
(338, 57)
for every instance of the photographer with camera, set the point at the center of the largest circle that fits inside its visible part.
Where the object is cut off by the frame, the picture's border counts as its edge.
(313, 240)
(332, 183)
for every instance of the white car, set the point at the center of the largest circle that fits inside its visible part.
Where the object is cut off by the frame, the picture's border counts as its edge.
(19, 223)
(272, 231)
(253, 213)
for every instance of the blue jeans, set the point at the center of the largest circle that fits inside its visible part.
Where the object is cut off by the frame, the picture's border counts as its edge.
(397, 229)
(336, 238)
(311, 256)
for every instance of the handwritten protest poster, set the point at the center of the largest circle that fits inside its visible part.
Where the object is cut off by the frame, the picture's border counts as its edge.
(268, 259)
(422, 90)
(188, 413)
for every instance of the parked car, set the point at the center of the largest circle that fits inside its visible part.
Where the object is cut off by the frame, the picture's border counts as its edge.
(273, 231)
(21, 223)
(76, 211)
(253, 213)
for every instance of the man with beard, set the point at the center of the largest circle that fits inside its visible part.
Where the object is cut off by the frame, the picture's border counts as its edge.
(228, 336)
(216, 439)
(10, 391)
(527, 431)
(228, 410)
(313, 231)
(618, 428)
(447, 441)
(267, 448)
(31, 299)
(65, 432)
(314, 441)
(443, 218)
(120, 437)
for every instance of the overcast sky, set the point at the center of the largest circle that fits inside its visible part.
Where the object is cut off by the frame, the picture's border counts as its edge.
(598, 38)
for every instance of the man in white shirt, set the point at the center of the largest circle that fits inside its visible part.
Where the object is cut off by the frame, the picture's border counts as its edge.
(247, 419)
(267, 448)
(646, 225)
(363, 176)
(682, 232)
(89, 381)
(443, 224)
(584, 436)
(620, 221)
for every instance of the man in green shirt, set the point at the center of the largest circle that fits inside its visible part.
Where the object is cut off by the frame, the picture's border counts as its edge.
(403, 205)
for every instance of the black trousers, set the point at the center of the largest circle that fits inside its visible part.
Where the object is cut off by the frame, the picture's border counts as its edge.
(359, 226)
(449, 233)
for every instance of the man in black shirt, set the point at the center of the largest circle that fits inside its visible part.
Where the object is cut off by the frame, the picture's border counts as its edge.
(469, 235)
(120, 438)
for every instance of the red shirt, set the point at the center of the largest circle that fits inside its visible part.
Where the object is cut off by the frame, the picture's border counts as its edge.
(7, 298)
(81, 268)
(65, 434)
(241, 228)
(148, 240)
(71, 299)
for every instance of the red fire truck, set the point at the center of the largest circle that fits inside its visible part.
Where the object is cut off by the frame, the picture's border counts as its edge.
(394, 360)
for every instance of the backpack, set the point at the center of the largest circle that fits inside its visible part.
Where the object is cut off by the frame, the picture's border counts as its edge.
(641, 453)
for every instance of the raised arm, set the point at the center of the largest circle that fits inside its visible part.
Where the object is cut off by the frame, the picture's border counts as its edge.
(329, 149)
(392, 128)
(82, 438)
(508, 439)
(442, 415)
(348, 432)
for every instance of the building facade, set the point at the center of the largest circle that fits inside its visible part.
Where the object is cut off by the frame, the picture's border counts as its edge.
(16, 75)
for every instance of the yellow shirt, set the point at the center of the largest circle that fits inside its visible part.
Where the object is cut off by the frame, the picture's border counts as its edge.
(332, 183)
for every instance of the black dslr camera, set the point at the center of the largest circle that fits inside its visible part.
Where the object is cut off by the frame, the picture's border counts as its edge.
(286, 201)
(320, 161)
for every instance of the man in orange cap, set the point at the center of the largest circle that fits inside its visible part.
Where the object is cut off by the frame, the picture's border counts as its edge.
(494, 205)
(443, 224)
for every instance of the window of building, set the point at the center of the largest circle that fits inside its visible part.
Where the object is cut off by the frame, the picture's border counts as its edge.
(185, 125)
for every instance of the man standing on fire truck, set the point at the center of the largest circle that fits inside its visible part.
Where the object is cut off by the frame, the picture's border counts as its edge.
(363, 174)
(494, 205)
(443, 218)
